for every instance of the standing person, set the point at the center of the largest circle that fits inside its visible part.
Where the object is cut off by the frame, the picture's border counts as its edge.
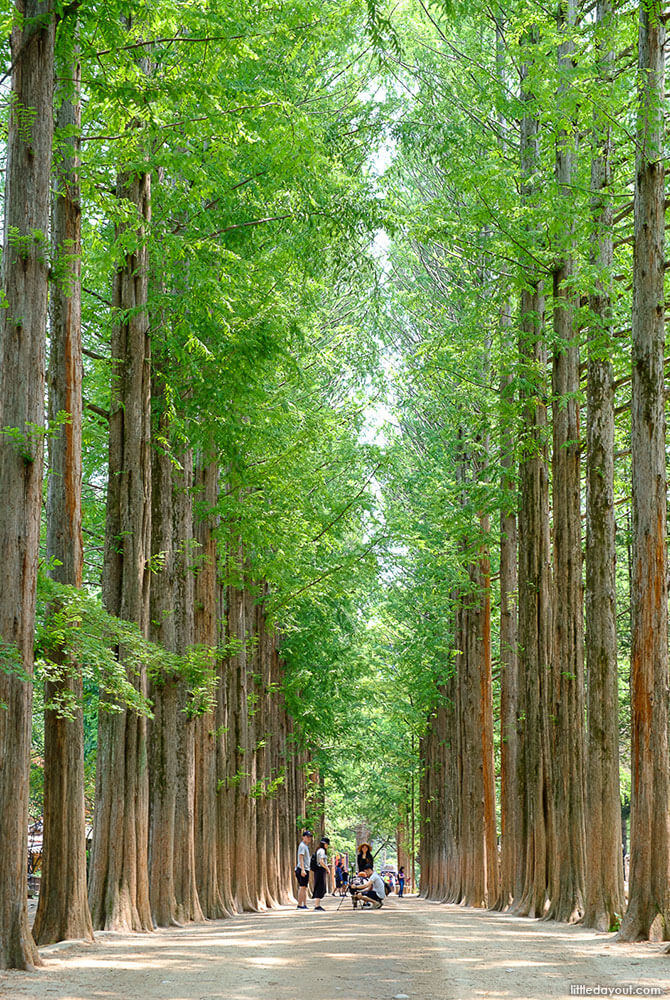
(302, 868)
(364, 859)
(401, 881)
(320, 872)
(339, 867)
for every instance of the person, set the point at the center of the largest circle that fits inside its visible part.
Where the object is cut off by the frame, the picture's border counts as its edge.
(302, 868)
(339, 867)
(364, 859)
(401, 881)
(320, 873)
(372, 889)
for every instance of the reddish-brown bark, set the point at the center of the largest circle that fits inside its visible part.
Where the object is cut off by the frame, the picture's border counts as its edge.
(648, 913)
(62, 910)
(119, 881)
(535, 590)
(604, 895)
(567, 696)
(23, 320)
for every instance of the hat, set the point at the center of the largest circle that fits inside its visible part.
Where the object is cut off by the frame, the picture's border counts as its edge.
(325, 840)
(365, 844)
(307, 833)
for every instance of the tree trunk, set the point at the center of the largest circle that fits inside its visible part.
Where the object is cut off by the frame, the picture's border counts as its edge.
(164, 689)
(62, 910)
(23, 321)
(604, 896)
(224, 804)
(535, 605)
(510, 804)
(567, 735)
(241, 810)
(119, 882)
(206, 634)
(185, 885)
(488, 791)
(648, 914)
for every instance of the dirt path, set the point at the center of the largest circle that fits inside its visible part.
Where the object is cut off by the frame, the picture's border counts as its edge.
(423, 950)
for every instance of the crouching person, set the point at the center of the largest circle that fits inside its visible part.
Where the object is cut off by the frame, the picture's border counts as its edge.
(372, 889)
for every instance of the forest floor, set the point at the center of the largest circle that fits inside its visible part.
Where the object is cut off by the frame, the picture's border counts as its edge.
(426, 951)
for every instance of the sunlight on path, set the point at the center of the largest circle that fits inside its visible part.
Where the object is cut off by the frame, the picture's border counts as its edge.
(423, 950)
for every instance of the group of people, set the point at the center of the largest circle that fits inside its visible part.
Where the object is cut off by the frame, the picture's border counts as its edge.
(369, 890)
(318, 864)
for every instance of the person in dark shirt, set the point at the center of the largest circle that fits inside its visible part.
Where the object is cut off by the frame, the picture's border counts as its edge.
(339, 867)
(401, 881)
(364, 859)
(321, 872)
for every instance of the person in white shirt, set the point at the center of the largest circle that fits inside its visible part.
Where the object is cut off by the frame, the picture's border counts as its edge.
(302, 868)
(373, 889)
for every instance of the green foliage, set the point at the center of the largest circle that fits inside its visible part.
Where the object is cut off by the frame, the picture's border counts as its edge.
(348, 383)
(75, 629)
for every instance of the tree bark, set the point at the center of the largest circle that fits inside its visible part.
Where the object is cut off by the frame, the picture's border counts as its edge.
(488, 791)
(22, 381)
(648, 913)
(62, 909)
(225, 839)
(604, 896)
(185, 884)
(206, 634)
(164, 689)
(510, 804)
(567, 735)
(119, 882)
(535, 604)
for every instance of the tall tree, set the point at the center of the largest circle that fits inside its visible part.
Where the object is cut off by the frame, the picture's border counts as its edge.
(604, 898)
(185, 885)
(62, 910)
(510, 804)
(206, 634)
(119, 881)
(23, 322)
(164, 688)
(535, 592)
(567, 709)
(648, 913)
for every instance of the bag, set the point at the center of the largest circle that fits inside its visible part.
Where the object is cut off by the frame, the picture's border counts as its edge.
(313, 864)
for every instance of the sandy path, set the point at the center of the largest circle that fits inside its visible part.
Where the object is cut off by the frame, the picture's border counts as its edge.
(425, 950)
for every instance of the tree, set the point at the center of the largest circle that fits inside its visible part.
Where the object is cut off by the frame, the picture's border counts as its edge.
(648, 913)
(119, 878)
(535, 590)
(510, 804)
(62, 910)
(604, 898)
(22, 383)
(567, 654)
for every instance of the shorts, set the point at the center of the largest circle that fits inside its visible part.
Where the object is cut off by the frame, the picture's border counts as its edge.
(303, 880)
(319, 890)
(371, 894)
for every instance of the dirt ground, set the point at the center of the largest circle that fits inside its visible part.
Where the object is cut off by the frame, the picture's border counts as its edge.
(422, 950)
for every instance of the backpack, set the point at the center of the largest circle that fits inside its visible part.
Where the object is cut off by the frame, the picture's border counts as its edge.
(313, 863)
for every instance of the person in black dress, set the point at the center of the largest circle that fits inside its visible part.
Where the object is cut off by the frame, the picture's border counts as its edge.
(364, 858)
(321, 872)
